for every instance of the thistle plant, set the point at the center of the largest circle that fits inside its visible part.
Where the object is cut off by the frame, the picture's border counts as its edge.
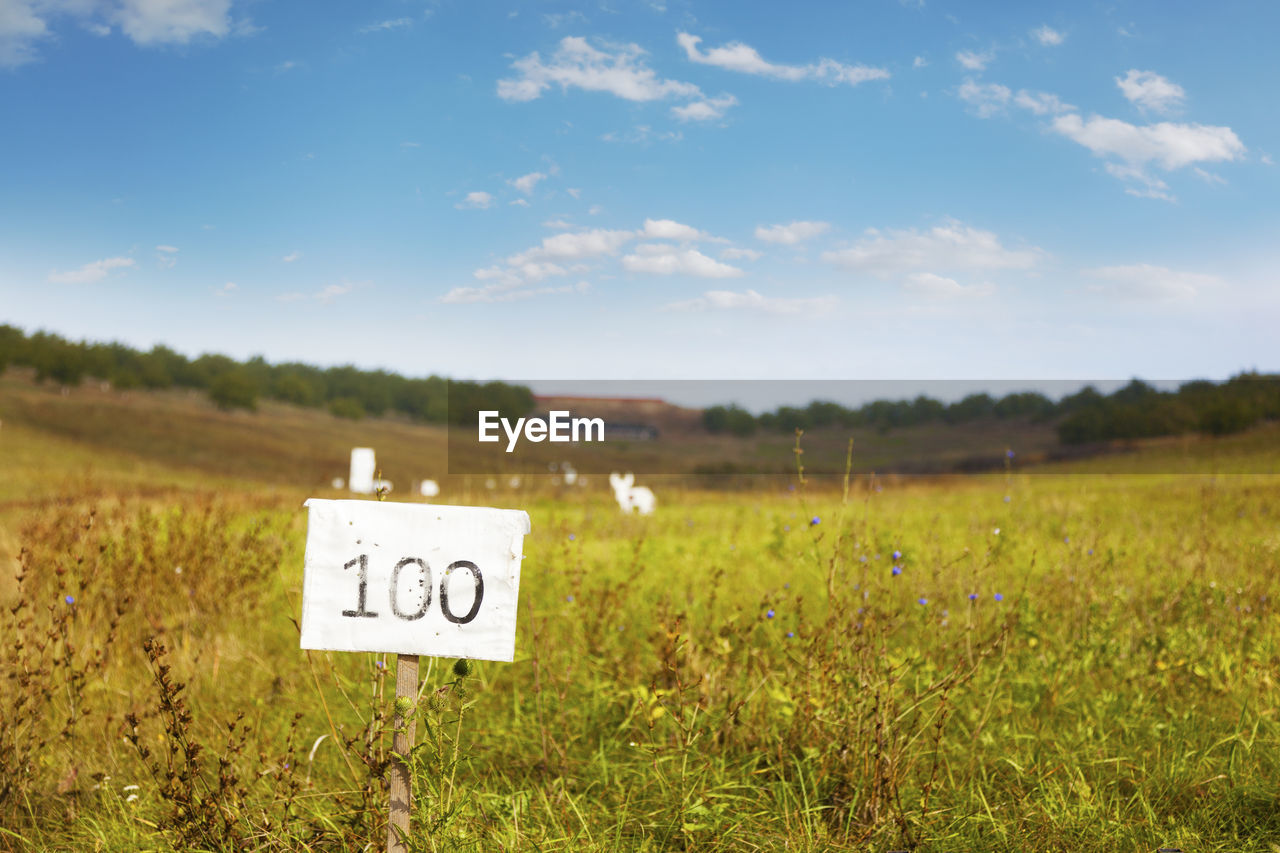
(441, 812)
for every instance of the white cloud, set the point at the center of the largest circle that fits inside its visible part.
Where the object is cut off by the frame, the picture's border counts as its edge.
(522, 273)
(330, 292)
(919, 62)
(324, 295)
(520, 202)
(667, 260)
(507, 283)
(226, 289)
(953, 246)
(575, 252)
(1146, 281)
(1168, 145)
(1151, 92)
(1208, 177)
(791, 234)
(1041, 103)
(574, 246)
(245, 27)
(173, 21)
(20, 28)
(1048, 36)
(929, 284)
(736, 254)
(526, 183)
(167, 256)
(987, 99)
(574, 192)
(669, 229)
(1148, 185)
(705, 110)
(146, 22)
(384, 26)
(643, 134)
(465, 295)
(579, 251)
(291, 257)
(619, 70)
(1171, 146)
(91, 272)
(743, 58)
(491, 293)
(750, 300)
(475, 201)
(555, 20)
(974, 61)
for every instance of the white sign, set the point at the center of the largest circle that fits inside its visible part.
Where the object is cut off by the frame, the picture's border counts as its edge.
(363, 467)
(415, 579)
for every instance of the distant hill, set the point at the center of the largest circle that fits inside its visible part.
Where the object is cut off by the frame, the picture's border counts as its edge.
(294, 424)
(1135, 411)
(56, 440)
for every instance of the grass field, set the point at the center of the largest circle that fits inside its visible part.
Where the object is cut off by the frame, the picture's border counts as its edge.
(1067, 660)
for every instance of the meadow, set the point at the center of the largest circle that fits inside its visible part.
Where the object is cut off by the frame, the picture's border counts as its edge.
(1059, 659)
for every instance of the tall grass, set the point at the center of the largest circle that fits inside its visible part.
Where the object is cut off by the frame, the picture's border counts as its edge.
(1061, 663)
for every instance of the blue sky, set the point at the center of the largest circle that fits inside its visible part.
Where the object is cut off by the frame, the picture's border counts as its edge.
(651, 189)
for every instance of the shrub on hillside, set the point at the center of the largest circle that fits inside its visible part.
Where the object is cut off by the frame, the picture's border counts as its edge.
(234, 390)
(347, 407)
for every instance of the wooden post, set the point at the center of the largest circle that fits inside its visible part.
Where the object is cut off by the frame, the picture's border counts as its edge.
(402, 745)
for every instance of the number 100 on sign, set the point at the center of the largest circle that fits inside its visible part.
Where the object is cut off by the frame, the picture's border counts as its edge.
(412, 578)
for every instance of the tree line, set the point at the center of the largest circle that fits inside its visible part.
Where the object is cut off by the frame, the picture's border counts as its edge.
(1137, 410)
(345, 391)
